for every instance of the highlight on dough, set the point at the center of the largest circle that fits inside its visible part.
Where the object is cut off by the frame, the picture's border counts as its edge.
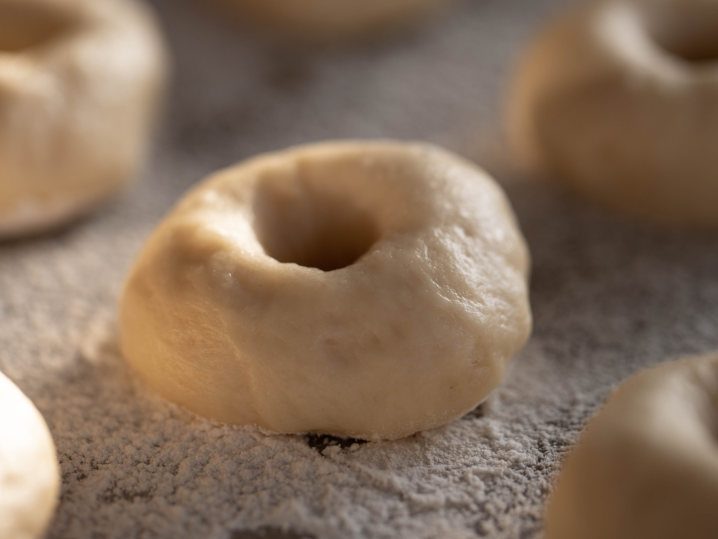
(29, 471)
(361, 289)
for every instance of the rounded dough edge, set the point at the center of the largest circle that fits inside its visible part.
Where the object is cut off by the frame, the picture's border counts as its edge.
(646, 466)
(30, 480)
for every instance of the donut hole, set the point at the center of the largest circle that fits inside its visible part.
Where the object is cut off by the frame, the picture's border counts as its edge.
(23, 26)
(687, 31)
(301, 223)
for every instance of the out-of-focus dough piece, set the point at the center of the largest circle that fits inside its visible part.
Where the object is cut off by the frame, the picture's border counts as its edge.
(322, 21)
(365, 289)
(647, 465)
(79, 84)
(618, 101)
(29, 473)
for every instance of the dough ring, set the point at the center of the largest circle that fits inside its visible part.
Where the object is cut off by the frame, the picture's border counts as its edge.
(29, 473)
(365, 289)
(618, 101)
(647, 465)
(79, 81)
(332, 20)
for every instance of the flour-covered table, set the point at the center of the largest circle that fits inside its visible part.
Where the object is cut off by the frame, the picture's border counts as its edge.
(609, 297)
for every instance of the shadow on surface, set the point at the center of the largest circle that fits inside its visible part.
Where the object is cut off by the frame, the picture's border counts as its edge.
(269, 533)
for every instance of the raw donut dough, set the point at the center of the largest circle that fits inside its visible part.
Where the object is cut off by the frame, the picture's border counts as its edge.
(79, 81)
(332, 20)
(29, 473)
(619, 102)
(365, 289)
(647, 466)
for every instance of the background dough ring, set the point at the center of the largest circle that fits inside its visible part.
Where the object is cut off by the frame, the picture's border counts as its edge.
(421, 307)
(79, 81)
(332, 20)
(647, 465)
(619, 101)
(29, 473)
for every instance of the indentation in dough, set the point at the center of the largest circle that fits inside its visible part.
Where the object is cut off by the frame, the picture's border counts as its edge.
(688, 31)
(300, 221)
(24, 26)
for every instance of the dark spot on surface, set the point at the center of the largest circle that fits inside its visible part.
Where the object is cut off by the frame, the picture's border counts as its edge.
(115, 494)
(289, 72)
(321, 441)
(531, 532)
(476, 413)
(269, 533)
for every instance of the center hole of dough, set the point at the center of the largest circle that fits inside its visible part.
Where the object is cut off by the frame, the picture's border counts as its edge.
(299, 221)
(687, 30)
(23, 26)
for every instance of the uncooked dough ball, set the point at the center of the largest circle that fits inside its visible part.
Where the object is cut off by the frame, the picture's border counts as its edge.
(647, 465)
(619, 102)
(365, 289)
(29, 473)
(79, 81)
(332, 20)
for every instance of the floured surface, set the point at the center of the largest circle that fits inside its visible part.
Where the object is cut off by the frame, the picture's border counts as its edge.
(609, 297)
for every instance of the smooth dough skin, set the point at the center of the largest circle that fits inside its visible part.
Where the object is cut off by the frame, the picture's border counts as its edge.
(619, 102)
(365, 289)
(647, 465)
(332, 20)
(29, 473)
(79, 82)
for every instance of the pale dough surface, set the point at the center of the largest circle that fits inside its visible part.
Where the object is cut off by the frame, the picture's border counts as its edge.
(618, 101)
(647, 466)
(29, 473)
(413, 334)
(79, 84)
(332, 20)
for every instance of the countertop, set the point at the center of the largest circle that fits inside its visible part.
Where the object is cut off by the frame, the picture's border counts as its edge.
(609, 297)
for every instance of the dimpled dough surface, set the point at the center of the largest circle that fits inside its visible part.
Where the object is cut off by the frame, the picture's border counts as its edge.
(608, 298)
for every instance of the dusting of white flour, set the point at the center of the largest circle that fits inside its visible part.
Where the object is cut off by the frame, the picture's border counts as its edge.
(608, 299)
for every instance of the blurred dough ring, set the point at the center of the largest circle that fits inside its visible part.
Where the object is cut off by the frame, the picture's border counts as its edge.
(618, 101)
(332, 20)
(29, 473)
(418, 307)
(79, 82)
(647, 465)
